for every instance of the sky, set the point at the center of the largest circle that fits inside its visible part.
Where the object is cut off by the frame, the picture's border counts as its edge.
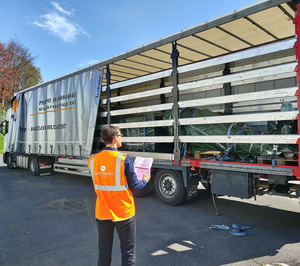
(66, 35)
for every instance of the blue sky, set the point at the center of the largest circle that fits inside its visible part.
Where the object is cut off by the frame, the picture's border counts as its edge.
(69, 35)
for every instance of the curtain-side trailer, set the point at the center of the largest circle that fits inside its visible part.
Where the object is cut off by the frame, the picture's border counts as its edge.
(216, 104)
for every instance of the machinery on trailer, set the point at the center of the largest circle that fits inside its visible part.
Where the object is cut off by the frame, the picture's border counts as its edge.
(216, 104)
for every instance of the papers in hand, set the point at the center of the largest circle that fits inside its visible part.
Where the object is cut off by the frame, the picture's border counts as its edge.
(142, 166)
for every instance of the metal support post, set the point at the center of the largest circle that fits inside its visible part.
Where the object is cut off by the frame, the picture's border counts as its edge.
(80, 149)
(108, 75)
(297, 70)
(175, 91)
(162, 96)
(293, 4)
(227, 89)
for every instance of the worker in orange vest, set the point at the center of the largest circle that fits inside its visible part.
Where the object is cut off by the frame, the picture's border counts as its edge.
(115, 182)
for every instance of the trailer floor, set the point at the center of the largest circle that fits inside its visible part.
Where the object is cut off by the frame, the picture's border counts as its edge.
(50, 221)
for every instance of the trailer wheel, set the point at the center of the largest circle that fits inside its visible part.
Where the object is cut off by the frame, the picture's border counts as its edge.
(9, 162)
(33, 166)
(169, 187)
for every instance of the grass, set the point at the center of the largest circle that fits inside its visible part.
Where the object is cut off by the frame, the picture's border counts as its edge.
(1, 144)
(2, 117)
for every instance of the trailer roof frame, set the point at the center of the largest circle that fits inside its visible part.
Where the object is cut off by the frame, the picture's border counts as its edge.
(140, 55)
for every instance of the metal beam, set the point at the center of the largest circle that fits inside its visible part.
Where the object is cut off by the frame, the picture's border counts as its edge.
(286, 13)
(140, 95)
(255, 139)
(261, 95)
(262, 50)
(252, 74)
(108, 75)
(143, 64)
(214, 44)
(154, 155)
(153, 58)
(245, 118)
(162, 139)
(123, 72)
(272, 116)
(194, 51)
(260, 108)
(261, 28)
(235, 36)
(162, 51)
(139, 110)
(156, 123)
(267, 101)
(249, 169)
(175, 90)
(133, 68)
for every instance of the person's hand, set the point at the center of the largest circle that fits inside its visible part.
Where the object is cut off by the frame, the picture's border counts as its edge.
(147, 177)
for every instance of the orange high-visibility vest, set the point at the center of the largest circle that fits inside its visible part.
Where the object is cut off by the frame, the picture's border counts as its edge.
(114, 199)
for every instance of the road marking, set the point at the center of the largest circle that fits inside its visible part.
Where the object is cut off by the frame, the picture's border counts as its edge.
(189, 242)
(159, 253)
(178, 247)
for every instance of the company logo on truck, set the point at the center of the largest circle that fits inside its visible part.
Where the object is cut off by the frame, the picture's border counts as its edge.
(49, 127)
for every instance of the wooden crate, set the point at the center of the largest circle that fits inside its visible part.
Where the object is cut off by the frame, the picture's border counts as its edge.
(207, 154)
(280, 161)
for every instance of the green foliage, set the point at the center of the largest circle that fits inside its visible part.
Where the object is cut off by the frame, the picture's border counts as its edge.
(17, 69)
(2, 117)
(1, 144)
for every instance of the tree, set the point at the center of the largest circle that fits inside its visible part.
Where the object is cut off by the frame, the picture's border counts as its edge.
(30, 77)
(8, 76)
(19, 62)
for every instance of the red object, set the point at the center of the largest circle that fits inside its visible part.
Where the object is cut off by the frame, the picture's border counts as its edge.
(297, 70)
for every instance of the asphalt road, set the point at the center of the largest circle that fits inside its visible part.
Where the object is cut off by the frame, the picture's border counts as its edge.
(50, 221)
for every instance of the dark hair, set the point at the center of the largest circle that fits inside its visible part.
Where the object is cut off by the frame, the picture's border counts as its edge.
(108, 133)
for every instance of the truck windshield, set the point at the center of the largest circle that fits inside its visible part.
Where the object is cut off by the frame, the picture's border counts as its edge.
(4, 127)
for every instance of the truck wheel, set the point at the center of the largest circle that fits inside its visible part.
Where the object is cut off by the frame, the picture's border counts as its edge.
(33, 166)
(8, 162)
(169, 187)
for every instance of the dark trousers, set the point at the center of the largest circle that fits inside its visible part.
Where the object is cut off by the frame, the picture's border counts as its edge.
(127, 235)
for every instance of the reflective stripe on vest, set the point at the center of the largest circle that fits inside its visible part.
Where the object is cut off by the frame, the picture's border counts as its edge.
(118, 186)
(91, 166)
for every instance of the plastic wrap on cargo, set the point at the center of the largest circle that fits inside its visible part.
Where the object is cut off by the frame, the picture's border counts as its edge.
(138, 132)
(242, 151)
(284, 127)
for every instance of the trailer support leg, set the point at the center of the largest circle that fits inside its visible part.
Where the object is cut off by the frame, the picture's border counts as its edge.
(214, 202)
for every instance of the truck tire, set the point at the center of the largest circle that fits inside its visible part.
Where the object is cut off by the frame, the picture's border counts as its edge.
(34, 166)
(169, 187)
(9, 162)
